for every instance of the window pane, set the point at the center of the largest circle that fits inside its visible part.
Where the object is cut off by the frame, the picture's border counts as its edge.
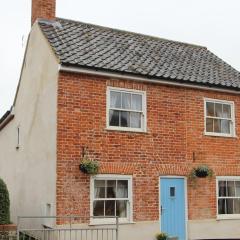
(126, 100)
(218, 110)
(98, 208)
(115, 99)
(110, 208)
(209, 125)
(122, 189)
(236, 206)
(121, 210)
(226, 111)
(137, 102)
(172, 191)
(230, 189)
(225, 126)
(111, 189)
(222, 189)
(217, 125)
(113, 118)
(125, 119)
(210, 109)
(135, 120)
(237, 186)
(99, 188)
(221, 206)
(229, 206)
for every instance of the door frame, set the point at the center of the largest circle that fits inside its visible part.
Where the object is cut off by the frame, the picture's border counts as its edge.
(186, 199)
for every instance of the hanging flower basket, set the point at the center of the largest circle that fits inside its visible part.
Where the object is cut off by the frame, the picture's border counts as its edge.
(89, 166)
(202, 171)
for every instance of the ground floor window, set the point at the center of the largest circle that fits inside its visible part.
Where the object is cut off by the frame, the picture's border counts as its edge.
(111, 195)
(228, 196)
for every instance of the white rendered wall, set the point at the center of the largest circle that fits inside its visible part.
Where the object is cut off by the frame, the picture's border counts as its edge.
(30, 171)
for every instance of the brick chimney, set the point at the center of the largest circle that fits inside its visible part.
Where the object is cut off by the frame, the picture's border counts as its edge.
(43, 9)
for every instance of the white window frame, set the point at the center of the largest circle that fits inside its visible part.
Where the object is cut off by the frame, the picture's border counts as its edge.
(144, 111)
(232, 125)
(225, 178)
(100, 221)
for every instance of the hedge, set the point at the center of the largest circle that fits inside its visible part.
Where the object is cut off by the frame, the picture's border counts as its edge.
(4, 204)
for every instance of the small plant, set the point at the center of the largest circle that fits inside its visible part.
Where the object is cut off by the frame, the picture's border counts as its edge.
(201, 172)
(161, 236)
(89, 166)
(4, 204)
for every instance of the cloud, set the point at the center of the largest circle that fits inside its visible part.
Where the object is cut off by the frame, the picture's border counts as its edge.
(212, 23)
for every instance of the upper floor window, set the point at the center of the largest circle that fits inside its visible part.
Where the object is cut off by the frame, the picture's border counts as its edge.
(228, 196)
(219, 118)
(126, 109)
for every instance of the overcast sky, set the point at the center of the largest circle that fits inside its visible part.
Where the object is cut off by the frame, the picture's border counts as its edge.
(212, 23)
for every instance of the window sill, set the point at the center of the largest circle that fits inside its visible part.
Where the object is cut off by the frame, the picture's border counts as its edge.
(219, 135)
(228, 217)
(98, 222)
(120, 129)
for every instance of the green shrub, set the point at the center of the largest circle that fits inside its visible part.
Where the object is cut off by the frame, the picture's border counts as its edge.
(161, 236)
(4, 203)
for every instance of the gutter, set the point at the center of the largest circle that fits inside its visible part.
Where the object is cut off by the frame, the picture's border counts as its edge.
(7, 117)
(71, 69)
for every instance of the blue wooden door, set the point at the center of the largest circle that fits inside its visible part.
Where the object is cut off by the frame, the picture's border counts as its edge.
(172, 204)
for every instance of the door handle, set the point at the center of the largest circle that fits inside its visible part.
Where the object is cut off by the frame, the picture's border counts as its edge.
(162, 209)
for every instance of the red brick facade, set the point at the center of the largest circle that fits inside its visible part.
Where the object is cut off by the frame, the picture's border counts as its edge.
(43, 9)
(173, 144)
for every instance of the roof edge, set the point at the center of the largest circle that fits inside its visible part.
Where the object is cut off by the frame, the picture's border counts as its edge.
(6, 118)
(162, 81)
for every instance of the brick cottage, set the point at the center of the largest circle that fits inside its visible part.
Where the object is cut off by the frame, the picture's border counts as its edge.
(148, 110)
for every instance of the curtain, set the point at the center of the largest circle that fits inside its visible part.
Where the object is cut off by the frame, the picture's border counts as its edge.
(115, 99)
(237, 206)
(222, 188)
(137, 102)
(126, 100)
(225, 124)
